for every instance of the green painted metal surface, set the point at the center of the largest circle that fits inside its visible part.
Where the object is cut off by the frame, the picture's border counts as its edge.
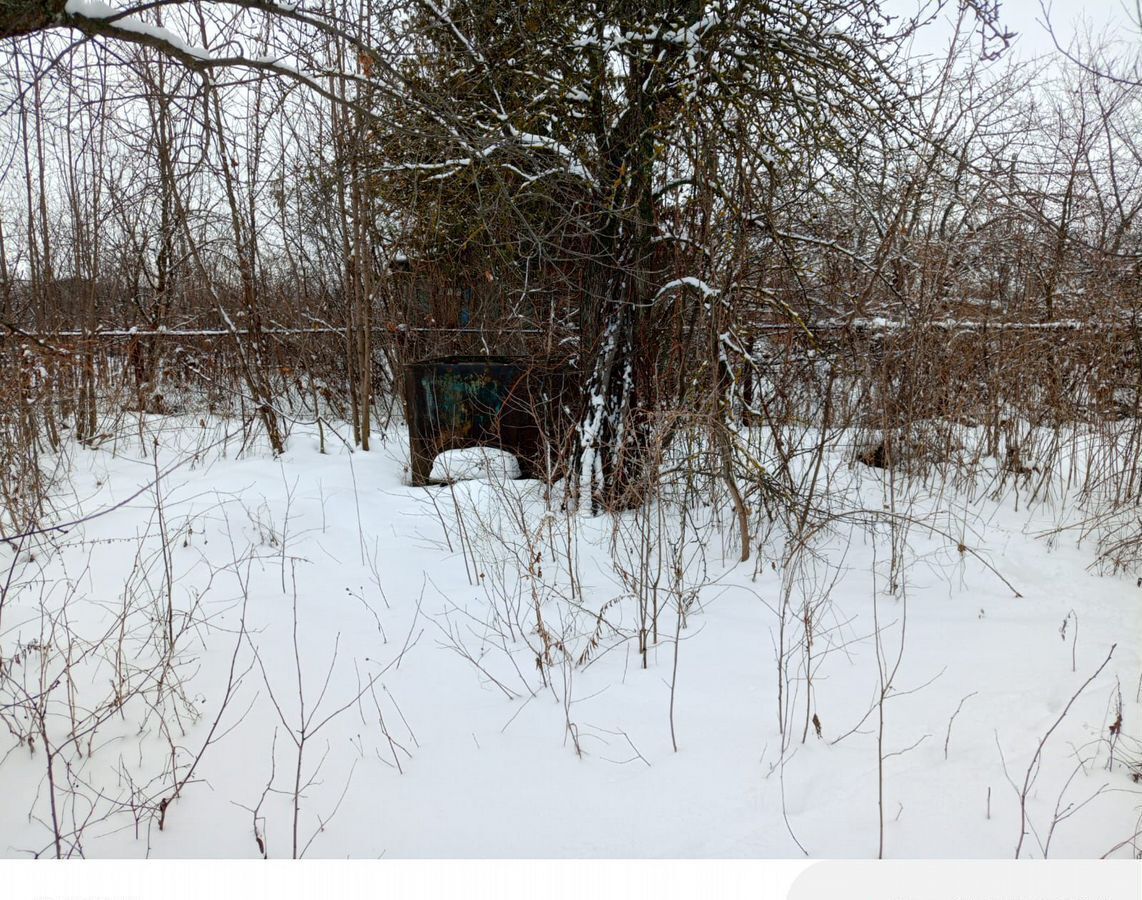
(472, 401)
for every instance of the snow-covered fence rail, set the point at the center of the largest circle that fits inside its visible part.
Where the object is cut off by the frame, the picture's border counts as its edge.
(876, 324)
(108, 333)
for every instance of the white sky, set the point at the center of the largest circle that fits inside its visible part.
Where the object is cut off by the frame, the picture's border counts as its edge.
(1026, 18)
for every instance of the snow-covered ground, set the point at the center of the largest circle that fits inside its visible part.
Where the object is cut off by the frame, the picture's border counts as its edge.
(456, 687)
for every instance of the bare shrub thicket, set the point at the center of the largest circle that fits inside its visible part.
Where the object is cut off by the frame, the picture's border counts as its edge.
(957, 290)
(86, 663)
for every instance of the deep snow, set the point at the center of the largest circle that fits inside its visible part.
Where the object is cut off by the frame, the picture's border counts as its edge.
(415, 612)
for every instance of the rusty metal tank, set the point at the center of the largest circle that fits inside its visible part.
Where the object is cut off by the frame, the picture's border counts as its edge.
(521, 406)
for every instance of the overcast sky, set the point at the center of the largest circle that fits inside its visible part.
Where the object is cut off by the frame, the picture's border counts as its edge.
(1027, 19)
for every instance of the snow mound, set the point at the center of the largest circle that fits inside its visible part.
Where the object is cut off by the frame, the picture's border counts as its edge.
(475, 463)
